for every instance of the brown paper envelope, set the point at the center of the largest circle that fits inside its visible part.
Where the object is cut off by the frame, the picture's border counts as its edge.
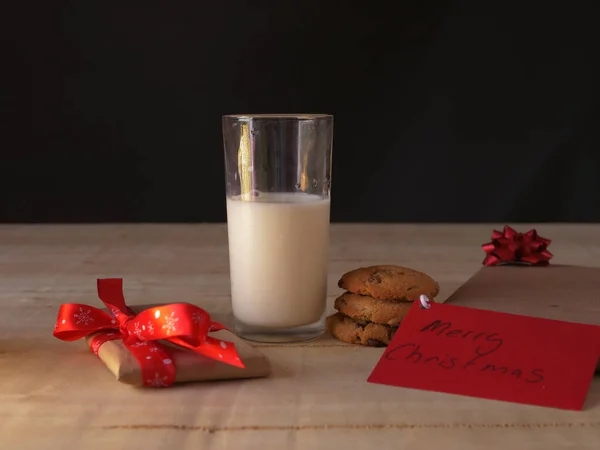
(189, 366)
(569, 293)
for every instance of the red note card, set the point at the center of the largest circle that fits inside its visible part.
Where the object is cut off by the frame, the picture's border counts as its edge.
(491, 355)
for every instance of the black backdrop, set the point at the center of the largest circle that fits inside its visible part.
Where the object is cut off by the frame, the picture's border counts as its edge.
(444, 111)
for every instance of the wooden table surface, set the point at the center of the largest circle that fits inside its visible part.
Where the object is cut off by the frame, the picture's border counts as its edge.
(55, 394)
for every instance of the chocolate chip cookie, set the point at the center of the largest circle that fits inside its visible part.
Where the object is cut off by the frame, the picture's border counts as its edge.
(352, 331)
(369, 309)
(387, 282)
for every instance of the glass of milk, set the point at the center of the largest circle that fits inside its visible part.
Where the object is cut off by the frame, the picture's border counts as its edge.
(278, 172)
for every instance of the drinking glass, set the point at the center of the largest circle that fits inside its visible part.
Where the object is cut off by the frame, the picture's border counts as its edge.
(278, 172)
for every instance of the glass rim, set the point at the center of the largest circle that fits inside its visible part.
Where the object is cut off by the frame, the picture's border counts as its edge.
(278, 116)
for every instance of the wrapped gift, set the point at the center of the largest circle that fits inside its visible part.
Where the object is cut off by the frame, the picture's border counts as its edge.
(519, 279)
(191, 366)
(158, 345)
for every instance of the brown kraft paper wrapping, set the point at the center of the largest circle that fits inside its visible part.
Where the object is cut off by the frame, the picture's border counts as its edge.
(189, 366)
(569, 293)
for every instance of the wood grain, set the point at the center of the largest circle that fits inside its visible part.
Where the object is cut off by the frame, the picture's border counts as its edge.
(57, 395)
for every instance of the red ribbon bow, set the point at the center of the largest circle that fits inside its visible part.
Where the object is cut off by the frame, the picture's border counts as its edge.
(510, 246)
(182, 324)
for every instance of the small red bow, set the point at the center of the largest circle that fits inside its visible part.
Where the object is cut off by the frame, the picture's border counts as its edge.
(509, 247)
(182, 324)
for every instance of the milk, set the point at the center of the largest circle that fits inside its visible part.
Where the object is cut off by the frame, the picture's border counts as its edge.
(278, 245)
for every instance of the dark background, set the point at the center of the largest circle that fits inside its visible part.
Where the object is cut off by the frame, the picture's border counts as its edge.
(444, 111)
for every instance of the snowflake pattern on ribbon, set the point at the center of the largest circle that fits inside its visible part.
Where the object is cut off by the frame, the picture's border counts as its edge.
(83, 317)
(137, 330)
(170, 322)
(149, 328)
(157, 381)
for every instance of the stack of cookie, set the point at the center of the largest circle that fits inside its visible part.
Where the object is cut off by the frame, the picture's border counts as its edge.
(376, 300)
